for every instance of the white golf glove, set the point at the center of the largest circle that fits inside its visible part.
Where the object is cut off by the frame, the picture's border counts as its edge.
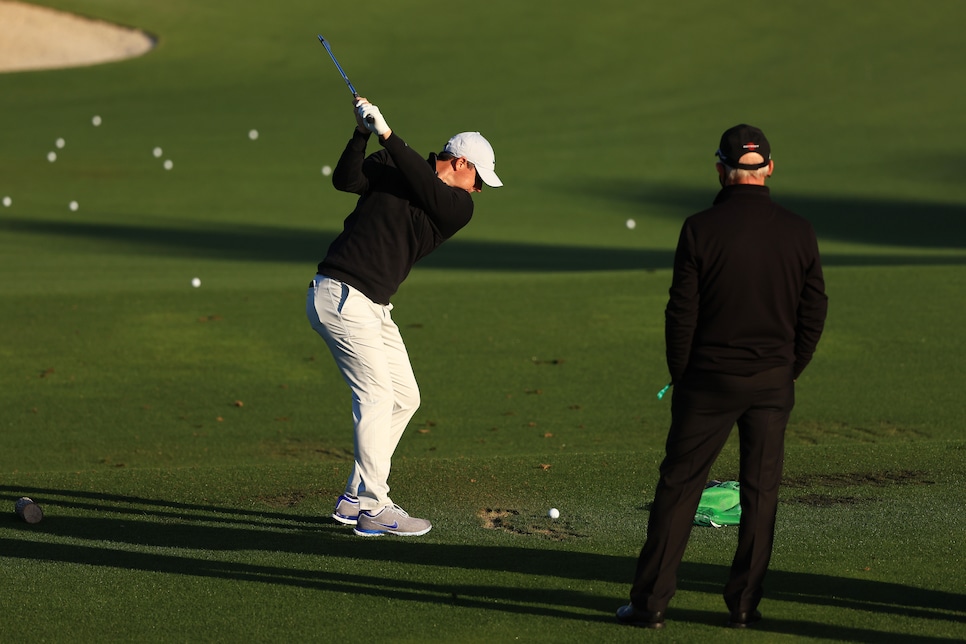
(373, 118)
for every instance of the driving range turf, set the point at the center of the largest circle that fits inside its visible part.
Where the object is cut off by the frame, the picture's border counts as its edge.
(187, 444)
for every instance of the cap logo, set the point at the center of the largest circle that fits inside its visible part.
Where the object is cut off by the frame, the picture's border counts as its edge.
(751, 146)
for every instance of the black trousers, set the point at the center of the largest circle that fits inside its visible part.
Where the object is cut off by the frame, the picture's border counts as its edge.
(704, 408)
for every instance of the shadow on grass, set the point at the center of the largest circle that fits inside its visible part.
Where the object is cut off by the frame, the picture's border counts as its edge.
(118, 526)
(889, 222)
(304, 246)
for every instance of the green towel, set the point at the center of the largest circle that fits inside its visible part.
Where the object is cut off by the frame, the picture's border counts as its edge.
(719, 505)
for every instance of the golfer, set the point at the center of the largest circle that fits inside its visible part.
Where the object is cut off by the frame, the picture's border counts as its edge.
(407, 207)
(746, 309)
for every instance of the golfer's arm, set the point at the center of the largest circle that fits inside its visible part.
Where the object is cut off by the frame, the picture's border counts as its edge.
(449, 209)
(812, 310)
(348, 175)
(681, 314)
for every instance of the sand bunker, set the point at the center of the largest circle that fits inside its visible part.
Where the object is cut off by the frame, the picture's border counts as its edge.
(33, 38)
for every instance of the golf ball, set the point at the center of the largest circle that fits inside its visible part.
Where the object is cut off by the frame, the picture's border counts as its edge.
(7, 201)
(253, 134)
(554, 513)
(96, 121)
(157, 152)
(60, 143)
(631, 224)
(168, 164)
(326, 170)
(51, 156)
(196, 282)
(73, 205)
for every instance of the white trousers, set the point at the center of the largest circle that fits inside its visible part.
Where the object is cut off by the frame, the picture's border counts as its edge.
(370, 353)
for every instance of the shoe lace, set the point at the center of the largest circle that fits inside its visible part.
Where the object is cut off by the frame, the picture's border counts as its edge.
(399, 510)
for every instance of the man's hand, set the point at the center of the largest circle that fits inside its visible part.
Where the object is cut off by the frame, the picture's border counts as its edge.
(358, 102)
(372, 119)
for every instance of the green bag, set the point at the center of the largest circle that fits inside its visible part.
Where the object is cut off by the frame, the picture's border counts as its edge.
(719, 506)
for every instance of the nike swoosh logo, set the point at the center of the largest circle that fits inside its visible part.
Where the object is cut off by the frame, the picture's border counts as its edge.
(395, 524)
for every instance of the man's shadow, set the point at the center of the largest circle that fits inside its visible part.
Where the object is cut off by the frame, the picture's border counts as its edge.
(111, 522)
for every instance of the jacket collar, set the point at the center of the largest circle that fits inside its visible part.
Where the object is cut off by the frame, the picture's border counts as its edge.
(742, 190)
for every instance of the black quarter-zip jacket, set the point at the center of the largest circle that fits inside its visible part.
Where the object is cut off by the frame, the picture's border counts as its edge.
(748, 293)
(404, 213)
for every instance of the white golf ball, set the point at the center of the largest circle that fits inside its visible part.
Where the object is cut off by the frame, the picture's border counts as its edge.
(7, 201)
(554, 513)
(196, 282)
(157, 152)
(51, 156)
(96, 121)
(253, 134)
(326, 170)
(631, 224)
(73, 205)
(168, 164)
(60, 143)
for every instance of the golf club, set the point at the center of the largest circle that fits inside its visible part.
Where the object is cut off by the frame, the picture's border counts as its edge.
(338, 66)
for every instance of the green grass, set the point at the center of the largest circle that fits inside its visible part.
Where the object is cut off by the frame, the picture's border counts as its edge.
(870, 553)
(186, 444)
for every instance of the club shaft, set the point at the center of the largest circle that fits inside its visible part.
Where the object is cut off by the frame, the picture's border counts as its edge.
(338, 66)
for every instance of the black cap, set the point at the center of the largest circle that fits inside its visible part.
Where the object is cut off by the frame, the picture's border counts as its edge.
(742, 139)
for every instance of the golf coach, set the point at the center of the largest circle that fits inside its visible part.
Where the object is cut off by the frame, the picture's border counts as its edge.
(746, 309)
(407, 207)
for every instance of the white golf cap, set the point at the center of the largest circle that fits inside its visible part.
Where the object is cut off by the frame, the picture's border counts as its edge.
(478, 151)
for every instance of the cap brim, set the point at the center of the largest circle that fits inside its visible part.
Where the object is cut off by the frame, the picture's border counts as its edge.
(489, 177)
(741, 166)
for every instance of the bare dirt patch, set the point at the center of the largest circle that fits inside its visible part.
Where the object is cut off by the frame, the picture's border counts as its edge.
(814, 433)
(834, 485)
(879, 478)
(829, 500)
(306, 450)
(514, 522)
(289, 500)
(35, 38)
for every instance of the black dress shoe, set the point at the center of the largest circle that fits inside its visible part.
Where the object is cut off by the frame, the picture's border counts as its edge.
(744, 620)
(644, 618)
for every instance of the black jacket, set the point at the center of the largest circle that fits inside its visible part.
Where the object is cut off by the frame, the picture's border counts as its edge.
(404, 213)
(747, 294)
